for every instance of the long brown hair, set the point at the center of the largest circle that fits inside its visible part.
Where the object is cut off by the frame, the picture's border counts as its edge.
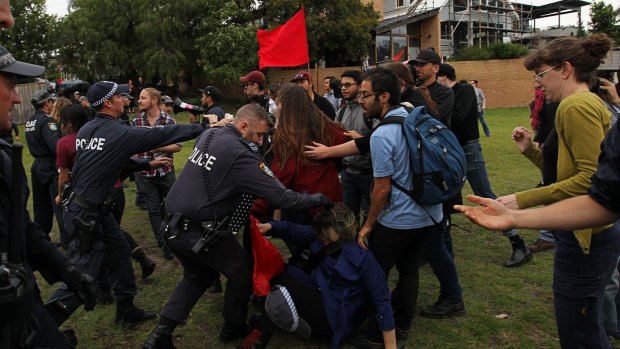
(300, 122)
(59, 103)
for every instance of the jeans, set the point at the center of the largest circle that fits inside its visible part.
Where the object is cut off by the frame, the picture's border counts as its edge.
(611, 301)
(477, 175)
(356, 191)
(546, 235)
(403, 249)
(154, 190)
(579, 282)
(485, 127)
(441, 262)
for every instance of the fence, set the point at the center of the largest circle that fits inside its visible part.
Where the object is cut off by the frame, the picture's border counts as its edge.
(22, 112)
(506, 83)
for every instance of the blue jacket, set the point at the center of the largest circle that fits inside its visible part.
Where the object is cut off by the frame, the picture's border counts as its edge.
(347, 282)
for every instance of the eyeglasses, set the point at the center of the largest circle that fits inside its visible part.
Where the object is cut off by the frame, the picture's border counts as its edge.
(366, 95)
(540, 75)
(348, 84)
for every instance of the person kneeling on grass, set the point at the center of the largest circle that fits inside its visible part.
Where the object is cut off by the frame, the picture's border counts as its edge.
(339, 275)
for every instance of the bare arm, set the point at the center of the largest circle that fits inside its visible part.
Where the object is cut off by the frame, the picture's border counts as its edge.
(389, 339)
(571, 214)
(172, 148)
(378, 198)
(319, 151)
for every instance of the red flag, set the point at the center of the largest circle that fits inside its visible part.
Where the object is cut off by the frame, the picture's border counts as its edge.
(284, 46)
(267, 260)
(397, 57)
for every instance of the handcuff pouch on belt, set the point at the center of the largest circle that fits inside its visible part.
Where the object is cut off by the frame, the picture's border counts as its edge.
(210, 235)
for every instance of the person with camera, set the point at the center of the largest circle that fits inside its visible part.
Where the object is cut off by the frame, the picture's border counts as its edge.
(24, 246)
(206, 207)
(104, 149)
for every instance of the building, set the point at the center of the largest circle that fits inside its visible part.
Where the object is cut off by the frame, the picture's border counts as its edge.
(407, 26)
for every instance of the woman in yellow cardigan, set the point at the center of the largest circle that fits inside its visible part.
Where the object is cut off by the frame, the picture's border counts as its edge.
(584, 259)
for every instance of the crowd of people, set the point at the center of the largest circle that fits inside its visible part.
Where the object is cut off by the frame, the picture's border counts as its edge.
(319, 172)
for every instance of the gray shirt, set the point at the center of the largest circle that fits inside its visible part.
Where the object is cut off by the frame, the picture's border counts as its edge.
(353, 119)
(481, 99)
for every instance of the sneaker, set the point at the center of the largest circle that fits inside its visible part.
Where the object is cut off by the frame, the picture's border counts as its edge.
(132, 316)
(541, 245)
(444, 308)
(229, 332)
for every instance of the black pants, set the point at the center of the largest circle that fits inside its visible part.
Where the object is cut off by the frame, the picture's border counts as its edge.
(200, 270)
(44, 178)
(403, 249)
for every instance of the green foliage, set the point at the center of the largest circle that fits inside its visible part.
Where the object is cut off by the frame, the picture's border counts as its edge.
(498, 50)
(31, 39)
(604, 19)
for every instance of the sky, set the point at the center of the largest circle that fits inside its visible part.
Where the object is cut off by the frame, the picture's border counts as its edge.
(59, 7)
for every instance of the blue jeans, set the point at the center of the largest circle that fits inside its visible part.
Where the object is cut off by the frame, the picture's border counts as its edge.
(485, 127)
(441, 262)
(546, 235)
(477, 175)
(356, 188)
(154, 190)
(579, 285)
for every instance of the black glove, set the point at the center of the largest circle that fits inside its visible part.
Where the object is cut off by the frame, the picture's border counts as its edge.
(82, 284)
(321, 200)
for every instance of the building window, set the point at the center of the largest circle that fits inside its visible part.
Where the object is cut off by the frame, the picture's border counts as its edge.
(400, 3)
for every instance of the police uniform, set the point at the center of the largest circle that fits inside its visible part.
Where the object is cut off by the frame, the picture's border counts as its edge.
(25, 323)
(104, 149)
(42, 134)
(235, 170)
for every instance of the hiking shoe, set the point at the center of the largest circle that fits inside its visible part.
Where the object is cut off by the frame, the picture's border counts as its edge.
(541, 245)
(132, 315)
(229, 332)
(444, 308)
(520, 253)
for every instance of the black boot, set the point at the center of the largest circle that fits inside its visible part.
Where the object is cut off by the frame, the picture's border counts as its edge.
(520, 253)
(147, 265)
(128, 314)
(161, 337)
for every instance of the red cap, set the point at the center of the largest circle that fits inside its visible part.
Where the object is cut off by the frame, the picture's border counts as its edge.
(302, 75)
(255, 77)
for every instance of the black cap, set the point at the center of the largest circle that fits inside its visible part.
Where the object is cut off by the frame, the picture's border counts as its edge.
(447, 70)
(124, 95)
(166, 99)
(212, 91)
(104, 90)
(10, 65)
(426, 56)
(41, 96)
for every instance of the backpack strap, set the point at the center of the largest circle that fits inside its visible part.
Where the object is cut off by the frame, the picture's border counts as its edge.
(341, 113)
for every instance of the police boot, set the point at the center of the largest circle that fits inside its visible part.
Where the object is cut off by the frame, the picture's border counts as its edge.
(128, 314)
(161, 337)
(520, 253)
(147, 265)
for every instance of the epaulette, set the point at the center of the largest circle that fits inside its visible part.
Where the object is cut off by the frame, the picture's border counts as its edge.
(253, 147)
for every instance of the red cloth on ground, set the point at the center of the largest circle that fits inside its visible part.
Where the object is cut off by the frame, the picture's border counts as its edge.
(267, 260)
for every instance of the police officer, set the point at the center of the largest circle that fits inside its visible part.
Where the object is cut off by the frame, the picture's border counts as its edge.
(42, 134)
(104, 147)
(221, 178)
(24, 247)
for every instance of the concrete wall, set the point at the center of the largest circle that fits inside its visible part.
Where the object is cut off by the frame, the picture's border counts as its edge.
(505, 83)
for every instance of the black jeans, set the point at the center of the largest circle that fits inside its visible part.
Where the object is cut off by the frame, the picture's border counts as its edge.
(579, 285)
(403, 249)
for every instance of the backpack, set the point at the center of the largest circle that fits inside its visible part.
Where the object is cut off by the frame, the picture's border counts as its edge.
(437, 159)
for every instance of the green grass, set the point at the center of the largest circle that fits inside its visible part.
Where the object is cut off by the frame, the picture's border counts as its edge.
(523, 294)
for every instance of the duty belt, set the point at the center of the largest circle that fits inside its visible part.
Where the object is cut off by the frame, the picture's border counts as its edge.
(100, 210)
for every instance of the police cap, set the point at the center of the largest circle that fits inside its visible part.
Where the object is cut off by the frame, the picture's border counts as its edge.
(41, 96)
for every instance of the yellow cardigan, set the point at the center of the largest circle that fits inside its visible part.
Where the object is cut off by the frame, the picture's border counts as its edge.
(582, 121)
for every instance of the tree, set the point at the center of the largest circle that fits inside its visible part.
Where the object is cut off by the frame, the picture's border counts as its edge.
(340, 31)
(604, 19)
(150, 38)
(31, 39)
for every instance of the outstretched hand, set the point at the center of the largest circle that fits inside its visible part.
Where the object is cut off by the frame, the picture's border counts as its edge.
(490, 214)
(317, 151)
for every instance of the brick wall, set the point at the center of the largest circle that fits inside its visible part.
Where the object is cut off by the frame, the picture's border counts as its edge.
(505, 83)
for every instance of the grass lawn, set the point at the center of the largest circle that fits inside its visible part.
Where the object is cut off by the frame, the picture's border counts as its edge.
(522, 296)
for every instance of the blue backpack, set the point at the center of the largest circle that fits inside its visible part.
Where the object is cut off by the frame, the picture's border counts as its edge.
(436, 157)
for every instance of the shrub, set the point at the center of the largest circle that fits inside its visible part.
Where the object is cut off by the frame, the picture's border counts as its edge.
(498, 50)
